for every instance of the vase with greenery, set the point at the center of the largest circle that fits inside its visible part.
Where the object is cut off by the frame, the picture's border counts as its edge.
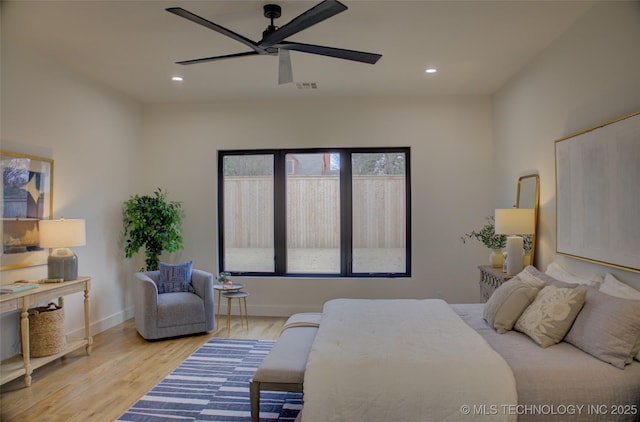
(488, 237)
(224, 277)
(153, 223)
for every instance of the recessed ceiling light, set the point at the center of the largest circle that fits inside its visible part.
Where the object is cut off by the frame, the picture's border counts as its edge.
(177, 78)
(430, 70)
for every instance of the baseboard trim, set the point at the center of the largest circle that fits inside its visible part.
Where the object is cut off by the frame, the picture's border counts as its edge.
(105, 323)
(257, 310)
(270, 310)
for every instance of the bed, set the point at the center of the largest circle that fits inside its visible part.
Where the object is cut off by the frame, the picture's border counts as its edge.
(426, 360)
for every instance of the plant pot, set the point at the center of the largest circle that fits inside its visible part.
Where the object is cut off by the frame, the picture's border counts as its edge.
(496, 259)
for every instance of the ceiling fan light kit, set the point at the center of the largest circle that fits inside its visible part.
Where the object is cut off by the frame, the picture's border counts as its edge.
(273, 38)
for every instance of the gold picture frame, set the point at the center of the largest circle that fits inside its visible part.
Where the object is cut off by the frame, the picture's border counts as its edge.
(598, 194)
(27, 198)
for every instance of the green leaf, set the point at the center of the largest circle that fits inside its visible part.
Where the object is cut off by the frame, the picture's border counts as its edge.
(152, 223)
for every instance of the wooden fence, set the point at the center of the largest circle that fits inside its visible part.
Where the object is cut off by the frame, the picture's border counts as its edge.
(314, 213)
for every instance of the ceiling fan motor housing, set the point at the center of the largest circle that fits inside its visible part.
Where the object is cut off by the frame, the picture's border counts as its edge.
(271, 11)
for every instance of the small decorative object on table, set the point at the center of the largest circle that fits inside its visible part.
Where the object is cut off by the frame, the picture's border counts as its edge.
(487, 235)
(225, 279)
(17, 287)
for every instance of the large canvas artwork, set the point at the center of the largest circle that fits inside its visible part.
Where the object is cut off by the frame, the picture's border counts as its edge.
(26, 199)
(598, 194)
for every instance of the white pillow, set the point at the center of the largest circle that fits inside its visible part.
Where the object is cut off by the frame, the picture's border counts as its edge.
(607, 327)
(556, 271)
(614, 287)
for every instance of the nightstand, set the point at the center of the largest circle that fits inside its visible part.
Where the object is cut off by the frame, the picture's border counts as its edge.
(490, 279)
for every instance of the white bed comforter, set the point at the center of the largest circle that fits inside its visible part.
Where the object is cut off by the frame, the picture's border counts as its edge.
(402, 361)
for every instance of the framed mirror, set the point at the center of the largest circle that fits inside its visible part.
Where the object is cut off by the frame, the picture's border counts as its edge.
(528, 196)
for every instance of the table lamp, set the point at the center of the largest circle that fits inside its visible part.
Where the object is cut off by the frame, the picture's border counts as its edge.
(61, 235)
(514, 222)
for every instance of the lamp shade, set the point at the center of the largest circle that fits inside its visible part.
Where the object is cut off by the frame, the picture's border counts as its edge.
(515, 221)
(62, 233)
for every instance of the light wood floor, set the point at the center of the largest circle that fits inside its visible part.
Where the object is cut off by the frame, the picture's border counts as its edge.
(122, 367)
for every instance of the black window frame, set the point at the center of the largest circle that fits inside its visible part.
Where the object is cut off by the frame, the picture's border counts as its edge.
(346, 212)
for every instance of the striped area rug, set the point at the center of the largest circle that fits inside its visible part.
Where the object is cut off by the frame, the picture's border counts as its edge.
(213, 385)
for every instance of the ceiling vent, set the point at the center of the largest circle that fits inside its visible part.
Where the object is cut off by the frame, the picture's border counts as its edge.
(307, 85)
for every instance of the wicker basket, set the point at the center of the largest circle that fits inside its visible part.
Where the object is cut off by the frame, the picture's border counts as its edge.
(46, 330)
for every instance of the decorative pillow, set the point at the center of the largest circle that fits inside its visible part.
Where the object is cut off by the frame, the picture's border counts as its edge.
(507, 303)
(608, 328)
(556, 271)
(612, 286)
(551, 314)
(175, 278)
(547, 279)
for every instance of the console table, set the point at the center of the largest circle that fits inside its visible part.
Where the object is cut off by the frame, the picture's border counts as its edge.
(24, 365)
(490, 279)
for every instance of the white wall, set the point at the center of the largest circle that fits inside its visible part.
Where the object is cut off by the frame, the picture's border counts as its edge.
(107, 147)
(451, 159)
(587, 77)
(93, 135)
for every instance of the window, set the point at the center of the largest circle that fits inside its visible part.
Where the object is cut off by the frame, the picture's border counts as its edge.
(248, 214)
(313, 217)
(315, 212)
(379, 212)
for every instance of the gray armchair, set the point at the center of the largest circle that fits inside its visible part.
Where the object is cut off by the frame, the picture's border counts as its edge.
(173, 314)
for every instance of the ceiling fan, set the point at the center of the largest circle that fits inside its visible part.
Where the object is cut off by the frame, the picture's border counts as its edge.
(273, 38)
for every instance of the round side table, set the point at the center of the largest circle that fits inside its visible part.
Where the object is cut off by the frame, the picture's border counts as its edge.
(242, 297)
(220, 288)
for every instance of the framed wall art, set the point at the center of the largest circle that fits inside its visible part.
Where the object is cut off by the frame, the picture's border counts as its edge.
(27, 198)
(598, 194)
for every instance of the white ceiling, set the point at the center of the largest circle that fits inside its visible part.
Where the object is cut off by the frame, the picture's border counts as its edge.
(131, 46)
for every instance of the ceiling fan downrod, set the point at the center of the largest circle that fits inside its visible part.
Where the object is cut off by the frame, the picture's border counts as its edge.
(271, 11)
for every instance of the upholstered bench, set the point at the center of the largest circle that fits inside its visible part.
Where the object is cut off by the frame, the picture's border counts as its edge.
(283, 367)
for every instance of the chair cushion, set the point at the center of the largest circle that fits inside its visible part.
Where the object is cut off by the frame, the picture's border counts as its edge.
(175, 277)
(180, 308)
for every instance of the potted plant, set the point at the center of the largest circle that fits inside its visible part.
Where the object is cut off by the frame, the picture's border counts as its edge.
(225, 279)
(153, 223)
(488, 237)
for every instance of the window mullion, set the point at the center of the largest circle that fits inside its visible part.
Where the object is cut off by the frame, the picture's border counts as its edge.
(221, 234)
(346, 215)
(280, 218)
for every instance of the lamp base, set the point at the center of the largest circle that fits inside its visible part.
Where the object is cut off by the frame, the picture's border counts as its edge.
(515, 254)
(62, 266)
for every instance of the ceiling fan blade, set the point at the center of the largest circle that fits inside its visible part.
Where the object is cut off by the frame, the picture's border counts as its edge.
(179, 11)
(339, 53)
(316, 14)
(285, 72)
(211, 59)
